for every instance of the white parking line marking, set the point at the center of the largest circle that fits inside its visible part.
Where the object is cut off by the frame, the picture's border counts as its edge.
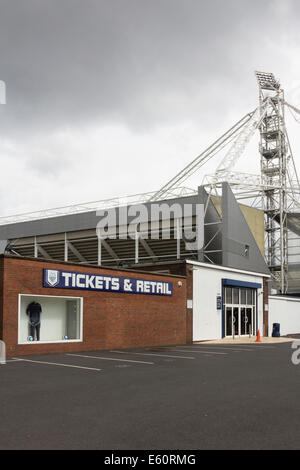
(225, 349)
(234, 349)
(260, 345)
(249, 347)
(205, 348)
(202, 352)
(110, 359)
(57, 364)
(239, 347)
(150, 354)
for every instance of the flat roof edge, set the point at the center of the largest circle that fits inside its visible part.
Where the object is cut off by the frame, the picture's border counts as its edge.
(225, 268)
(283, 297)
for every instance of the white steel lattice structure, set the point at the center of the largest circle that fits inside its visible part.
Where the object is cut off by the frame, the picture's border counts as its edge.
(275, 174)
(276, 190)
(91, 206)
(280, 182)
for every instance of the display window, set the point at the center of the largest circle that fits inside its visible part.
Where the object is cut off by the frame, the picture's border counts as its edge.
(49, 319)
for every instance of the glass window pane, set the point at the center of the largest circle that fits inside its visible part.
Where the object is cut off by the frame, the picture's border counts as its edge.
(73, 319)
(49, 319)
(250, 321)
(236, 321)
(249, 297)
(243, 296)
(244, 321)
(228, 295)
(228, 322)
(236, 296)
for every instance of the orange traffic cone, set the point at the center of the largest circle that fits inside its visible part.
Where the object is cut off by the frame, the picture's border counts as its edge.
(258, 337)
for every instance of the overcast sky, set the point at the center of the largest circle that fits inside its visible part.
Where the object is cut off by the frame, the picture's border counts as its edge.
(109, 98)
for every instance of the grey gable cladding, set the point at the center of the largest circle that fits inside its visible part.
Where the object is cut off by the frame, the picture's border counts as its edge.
(236, 235)
(212, 233)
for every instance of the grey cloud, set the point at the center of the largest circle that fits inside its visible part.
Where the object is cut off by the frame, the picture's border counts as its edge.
(144, 65)
(131, 61)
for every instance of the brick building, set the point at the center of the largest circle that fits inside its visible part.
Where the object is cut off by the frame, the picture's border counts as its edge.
(181, 291)
(77, 319)
(88, 308)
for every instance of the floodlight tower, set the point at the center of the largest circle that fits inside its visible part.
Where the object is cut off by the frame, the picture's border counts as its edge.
(274, 148)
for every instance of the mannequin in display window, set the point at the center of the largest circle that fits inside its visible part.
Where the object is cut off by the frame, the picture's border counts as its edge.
(34, 311)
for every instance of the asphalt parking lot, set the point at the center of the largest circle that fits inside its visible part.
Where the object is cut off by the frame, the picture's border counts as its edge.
(181, 397)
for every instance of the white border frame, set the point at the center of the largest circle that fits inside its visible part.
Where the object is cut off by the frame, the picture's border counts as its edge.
(80, 340)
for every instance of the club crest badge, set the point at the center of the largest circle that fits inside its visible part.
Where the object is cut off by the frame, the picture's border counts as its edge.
(52, 277)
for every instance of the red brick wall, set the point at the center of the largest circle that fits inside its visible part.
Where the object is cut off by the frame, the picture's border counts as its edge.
(180, 268)
(110, 320)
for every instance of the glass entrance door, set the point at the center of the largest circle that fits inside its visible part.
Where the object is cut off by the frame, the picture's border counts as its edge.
(240, 312)
(250, 312)
(228, 321)
(244, 321)
(247, 319)
(232, 321)
(236, 321)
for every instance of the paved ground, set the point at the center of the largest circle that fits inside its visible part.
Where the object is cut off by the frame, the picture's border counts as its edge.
(184, 397)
